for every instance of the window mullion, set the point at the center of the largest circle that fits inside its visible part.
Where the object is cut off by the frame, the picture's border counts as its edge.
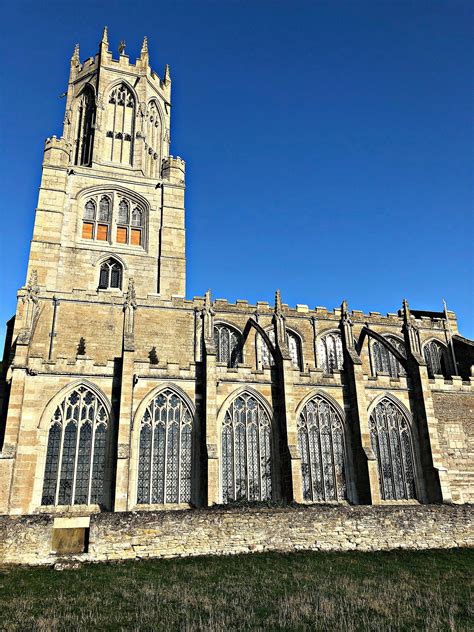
(179, 450)
(152, 450)
(76, 454)
(61, 445)
(91, 459)
(165, 459)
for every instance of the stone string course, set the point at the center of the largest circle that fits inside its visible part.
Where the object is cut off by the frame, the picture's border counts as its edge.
(162, 534)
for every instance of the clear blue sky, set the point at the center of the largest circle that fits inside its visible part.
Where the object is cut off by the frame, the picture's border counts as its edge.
(329, 145)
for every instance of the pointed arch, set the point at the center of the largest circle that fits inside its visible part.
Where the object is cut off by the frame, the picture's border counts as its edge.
(436, 356)
(295, 348)
(322, 444)
(166, 438)
(392, 437)
(330, 351)
(153, 138)
(110, 274)
(120, 122)
(366, 332)
(381, 357)
(247, 445)
(78, 444)
(85, 115)
(276, 355)
(228, 342)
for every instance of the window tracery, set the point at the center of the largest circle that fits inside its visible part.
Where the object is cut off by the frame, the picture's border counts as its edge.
(330, 352)
(76, 451)
(110, 275)
(294, 347)
(120, 125)
(152, 141)
(228, 343)
(436, 358)
(322, 448)
(246, 451)
(130, 219)
(384, 361)
(165, 451)
(391, 441)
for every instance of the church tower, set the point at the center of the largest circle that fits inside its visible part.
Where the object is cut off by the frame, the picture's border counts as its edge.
(111, 200)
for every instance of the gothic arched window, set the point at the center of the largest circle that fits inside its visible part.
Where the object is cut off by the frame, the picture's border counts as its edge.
(85, 127)
(322, 448)
(130, 225)
(76, 453)
(165, 451)
(294, 346)
(436, 358)
(152, 140)
(331, 356)
(391, 441)
(246, 451)
(110, 275)
(120, 125)
(384, 361)
(228, 343)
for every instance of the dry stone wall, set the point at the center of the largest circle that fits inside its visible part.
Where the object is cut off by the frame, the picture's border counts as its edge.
(160, 534)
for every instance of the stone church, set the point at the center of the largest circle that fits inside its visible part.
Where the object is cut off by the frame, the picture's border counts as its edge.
(121, 394)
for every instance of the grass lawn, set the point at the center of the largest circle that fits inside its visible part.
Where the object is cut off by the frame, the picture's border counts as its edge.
(399, 590)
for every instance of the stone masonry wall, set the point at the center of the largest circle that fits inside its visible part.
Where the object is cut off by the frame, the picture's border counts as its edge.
(455, 414)
(133, 535)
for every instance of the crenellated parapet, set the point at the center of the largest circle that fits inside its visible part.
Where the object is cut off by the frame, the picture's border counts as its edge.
(56, 152)
(174, 169)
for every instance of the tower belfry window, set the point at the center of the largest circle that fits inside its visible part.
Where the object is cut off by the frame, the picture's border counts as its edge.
(120, 126)
(85, 128)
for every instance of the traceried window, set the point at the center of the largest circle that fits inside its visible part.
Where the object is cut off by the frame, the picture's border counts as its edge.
(152, 140)
(246, 451)
(85, 127)
(102, 211)
(130, 224)
(76, 452)
(110, 275)
(436, 358)
(331, 356)
(96, 225)
(228, 343)
(294, 346)
(165, 451)
(322, 448)
(391, 440)
(384, 361)
(120, 125)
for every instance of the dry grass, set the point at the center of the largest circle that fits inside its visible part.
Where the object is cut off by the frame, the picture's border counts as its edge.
(426, 590)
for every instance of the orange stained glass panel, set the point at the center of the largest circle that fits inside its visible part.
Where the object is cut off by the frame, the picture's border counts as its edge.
(102, 230)
(87, 230)
(121, 235)
(136, 237)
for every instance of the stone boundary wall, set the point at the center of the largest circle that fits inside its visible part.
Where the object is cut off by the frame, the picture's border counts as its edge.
(159, 534)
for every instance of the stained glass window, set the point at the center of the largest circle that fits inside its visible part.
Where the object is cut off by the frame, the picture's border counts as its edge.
(384, 361)
(392, 443)
(228, 343)
(331, 356)
(436, 358)
(89, 210)
(165, 451)
(123, 212)
(294, 346)
(322, 447)
(76, 452)
(246, 451)
(104, 209)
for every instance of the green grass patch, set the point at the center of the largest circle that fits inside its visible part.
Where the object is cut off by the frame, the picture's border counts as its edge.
(397, 590)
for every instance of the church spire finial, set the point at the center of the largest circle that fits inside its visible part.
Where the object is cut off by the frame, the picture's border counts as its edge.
(278, 308)
(105, 39)
(75, 56)
(167, 76)
(144, 50)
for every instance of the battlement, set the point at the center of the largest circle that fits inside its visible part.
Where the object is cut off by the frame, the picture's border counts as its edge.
(56, 152)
